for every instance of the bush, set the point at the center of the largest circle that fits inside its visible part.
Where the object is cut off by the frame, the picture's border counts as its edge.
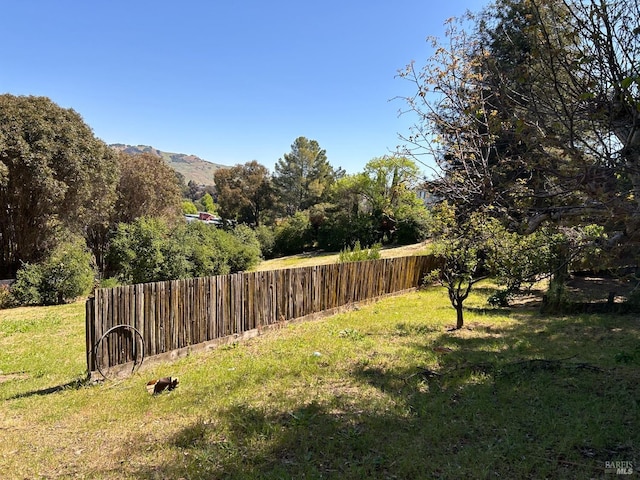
(292, 235)
(341, 229)
(110, 282)
(7, 300)
(501, 298)
(62, 277)
(267, 238)
(188, 207)
(26, 289)
(244, 250)
(67, 274)
(357, 254)
(147, 250)
(413, 226)
(137, 252)
(203, 249)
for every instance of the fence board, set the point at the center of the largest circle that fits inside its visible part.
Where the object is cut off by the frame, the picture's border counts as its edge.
(175, 314)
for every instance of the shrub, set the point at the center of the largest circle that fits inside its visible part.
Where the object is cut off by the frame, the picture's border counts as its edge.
(7, 300)
(357, 254)
(203, 249)
(188, 207)
(267, 238)
(245, 248)
(292, 235)
(342, 229)
(501, 298)
(413, 226)
(67, 274)
(62, 277)
(147, 250)
(136, 252)
(26, 289)
(110, 282)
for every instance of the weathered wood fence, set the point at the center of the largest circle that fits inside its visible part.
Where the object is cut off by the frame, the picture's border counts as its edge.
(170, 317)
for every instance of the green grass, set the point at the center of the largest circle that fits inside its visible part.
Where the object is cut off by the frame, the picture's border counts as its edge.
(519, 395)
(324, 258)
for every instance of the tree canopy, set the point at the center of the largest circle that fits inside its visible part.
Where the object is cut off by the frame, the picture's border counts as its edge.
(245, 192)
(54, 174)
(532, 108)
(302, 177)
(148, 187)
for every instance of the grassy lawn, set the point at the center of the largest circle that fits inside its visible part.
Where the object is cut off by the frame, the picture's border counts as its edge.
(323, 258)
(383, 391)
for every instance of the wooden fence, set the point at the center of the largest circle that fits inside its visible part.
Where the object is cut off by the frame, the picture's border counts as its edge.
(126, 324)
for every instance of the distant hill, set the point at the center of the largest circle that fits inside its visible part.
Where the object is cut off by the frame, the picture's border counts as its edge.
(190, 166)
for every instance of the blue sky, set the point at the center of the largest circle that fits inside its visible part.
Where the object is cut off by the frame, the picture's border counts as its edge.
(228, 81)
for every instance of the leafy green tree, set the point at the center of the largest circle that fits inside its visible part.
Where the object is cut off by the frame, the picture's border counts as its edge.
(150, 250)
(148, 187)
(303, 176)
(389, 187)
(267, 238)
(245, 192)
(137, 251)
(459, 242)
(200, 246)
(188, 207)
(379, 204)
(55, 175)
(292, 235)
(208, 204)
(346, 218)
(243, 248)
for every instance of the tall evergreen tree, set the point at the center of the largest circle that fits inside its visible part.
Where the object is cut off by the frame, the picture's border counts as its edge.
(302, 176)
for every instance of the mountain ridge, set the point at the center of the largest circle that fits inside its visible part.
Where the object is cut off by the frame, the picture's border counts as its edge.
(190, 166)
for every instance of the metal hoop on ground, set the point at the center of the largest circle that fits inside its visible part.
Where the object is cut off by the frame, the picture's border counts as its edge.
(111, 330)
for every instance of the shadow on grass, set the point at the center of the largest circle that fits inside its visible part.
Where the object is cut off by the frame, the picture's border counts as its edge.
(73, 385)
(539, 398)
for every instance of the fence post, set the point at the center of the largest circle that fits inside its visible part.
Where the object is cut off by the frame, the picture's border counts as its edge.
(90, 321)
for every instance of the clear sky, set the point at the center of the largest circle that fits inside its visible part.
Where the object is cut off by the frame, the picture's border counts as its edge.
(229, 81)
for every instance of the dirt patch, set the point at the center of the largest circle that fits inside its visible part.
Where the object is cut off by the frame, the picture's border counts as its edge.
(6, 377)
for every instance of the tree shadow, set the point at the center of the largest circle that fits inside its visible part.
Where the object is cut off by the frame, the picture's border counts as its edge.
(76, 384)
(311, 441)
(531, 399)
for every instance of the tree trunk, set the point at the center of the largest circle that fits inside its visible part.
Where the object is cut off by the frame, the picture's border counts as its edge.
(459, 317)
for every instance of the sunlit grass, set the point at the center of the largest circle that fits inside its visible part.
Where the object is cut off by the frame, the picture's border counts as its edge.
(324, 258)
(382, 391)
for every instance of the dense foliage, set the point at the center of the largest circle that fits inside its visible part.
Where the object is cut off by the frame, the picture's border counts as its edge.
(245, 193)
(55, 177)
(63, 276)
(530, 110)
(150, 250)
